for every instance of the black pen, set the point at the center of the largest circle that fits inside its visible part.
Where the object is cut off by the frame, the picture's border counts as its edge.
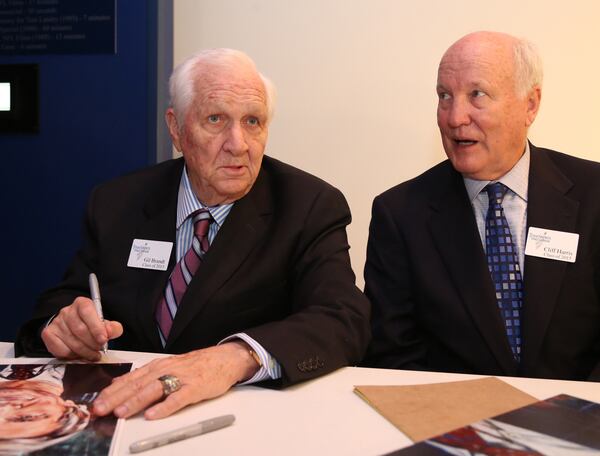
(182, 433)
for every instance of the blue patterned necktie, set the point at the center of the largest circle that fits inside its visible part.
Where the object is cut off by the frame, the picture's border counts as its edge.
(503, 263)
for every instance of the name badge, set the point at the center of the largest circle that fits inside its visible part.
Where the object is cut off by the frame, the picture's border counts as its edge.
(147, 254)
(554, 245)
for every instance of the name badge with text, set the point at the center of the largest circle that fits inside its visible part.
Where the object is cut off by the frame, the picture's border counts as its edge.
(554, 245)
(147, 254)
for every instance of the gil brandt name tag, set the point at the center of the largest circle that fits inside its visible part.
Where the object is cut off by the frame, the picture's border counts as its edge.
(147, 254)
(554, 245)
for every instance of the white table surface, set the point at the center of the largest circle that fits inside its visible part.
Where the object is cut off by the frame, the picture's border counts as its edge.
(320, 417)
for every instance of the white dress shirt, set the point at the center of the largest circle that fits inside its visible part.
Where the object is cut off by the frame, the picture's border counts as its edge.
(514, 203)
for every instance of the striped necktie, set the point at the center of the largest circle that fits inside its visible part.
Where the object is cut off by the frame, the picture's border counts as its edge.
(182, 274)
(503, 263)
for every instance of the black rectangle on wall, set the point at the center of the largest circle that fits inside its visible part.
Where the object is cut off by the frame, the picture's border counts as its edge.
(19, 103)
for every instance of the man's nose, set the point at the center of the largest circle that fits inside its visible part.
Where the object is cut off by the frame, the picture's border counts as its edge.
(236, 140)
(459, 113)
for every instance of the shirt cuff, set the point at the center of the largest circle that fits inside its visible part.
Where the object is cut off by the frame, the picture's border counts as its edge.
(270, 368)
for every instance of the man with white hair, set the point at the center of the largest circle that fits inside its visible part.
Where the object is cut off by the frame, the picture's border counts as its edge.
(232, 259)
(489, 262)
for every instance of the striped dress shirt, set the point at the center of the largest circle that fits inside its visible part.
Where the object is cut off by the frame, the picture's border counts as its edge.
(187, 203)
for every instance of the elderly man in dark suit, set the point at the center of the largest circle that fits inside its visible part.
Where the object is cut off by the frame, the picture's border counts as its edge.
(232, 259)
(489, 262)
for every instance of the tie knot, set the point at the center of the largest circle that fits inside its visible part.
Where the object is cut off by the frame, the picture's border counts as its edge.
(201, 219)
(496, 192)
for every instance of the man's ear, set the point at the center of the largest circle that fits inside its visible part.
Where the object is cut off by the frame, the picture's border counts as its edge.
(174, 131)
(534, 98)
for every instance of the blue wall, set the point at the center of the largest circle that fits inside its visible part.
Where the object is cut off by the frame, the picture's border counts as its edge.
(98, 119)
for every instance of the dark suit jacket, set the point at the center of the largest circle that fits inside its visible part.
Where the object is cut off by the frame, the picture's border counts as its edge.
(278, 270)
(433, 301)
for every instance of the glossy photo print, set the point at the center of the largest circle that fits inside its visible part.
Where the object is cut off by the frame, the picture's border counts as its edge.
(45, 409)
(560, 426)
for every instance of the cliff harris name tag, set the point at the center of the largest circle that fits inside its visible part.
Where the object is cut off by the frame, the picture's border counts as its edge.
(148, 254)
(554, 245)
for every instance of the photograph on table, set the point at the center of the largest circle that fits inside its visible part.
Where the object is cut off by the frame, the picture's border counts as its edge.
(560, 426)
(46, 409)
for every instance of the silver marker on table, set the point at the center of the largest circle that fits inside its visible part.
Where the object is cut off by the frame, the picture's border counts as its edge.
(182, 433)
(95, 292)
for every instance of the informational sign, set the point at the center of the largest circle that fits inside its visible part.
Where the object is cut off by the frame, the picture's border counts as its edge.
(57, 27)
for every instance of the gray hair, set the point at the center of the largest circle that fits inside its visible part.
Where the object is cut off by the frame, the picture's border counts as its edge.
(181, 82)
(528, 66)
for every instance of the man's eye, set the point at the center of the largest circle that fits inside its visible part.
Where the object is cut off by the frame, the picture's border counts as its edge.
(27, 418)
(252, 121)
(444, 96)
(214, 118)
(478, 93)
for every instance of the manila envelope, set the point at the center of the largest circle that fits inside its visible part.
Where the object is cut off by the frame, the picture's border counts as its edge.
(424, 411)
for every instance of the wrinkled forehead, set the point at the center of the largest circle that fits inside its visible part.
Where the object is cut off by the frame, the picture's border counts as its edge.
(236, 80)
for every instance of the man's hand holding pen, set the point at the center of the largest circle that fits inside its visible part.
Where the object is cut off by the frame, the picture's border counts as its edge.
(80, 331)
(77, 331)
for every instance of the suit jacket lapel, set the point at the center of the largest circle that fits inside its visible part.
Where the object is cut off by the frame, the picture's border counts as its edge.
(547, 207)
(238, 236)
(457, 239)
(160, 213)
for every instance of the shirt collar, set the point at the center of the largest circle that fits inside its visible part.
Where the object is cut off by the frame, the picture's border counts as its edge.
(517, 179)
(188, 202)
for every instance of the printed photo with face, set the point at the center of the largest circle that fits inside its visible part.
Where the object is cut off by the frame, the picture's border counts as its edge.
(46, 408)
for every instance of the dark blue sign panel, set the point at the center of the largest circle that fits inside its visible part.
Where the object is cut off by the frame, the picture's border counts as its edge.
(57, 27)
